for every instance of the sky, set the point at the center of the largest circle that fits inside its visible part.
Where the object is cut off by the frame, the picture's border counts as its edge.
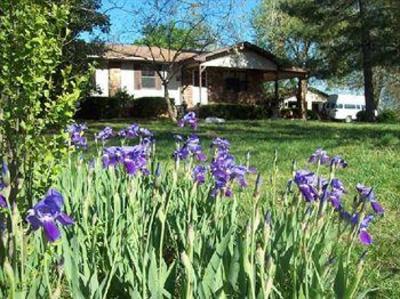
(122, 23)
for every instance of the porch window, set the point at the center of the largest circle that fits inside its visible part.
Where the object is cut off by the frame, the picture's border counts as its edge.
(149, 78)
(236, 81)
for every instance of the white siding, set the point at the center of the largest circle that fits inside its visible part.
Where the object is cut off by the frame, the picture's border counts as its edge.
(243, 60)
(196, 95)
(127, 77)
(174, 91)
(101, 77)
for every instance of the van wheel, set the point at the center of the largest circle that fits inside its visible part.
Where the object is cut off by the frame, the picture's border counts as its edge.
(348, 119)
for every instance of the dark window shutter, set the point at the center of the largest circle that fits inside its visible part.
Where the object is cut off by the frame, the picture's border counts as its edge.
(138, 77)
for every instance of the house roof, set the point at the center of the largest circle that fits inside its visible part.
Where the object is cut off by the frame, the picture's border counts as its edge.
(135, 52)
(145, 53)
(317, 91)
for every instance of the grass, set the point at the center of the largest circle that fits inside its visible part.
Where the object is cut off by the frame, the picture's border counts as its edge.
(372, 151)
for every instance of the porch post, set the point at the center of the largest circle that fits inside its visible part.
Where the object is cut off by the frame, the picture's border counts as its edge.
(200, 83)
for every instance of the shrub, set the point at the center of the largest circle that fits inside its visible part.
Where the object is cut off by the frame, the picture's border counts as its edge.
(312, 115)
(287, 113)
(232, 111)
(362, 116)
(150, 107)
(117, 106)
(389, 116)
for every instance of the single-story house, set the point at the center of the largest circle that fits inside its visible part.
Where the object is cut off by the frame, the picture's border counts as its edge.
(315, 100)
(234, 74)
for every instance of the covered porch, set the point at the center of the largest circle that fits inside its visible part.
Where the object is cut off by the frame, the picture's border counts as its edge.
(237, 75)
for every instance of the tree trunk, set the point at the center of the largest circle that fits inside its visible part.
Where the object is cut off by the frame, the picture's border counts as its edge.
(367, 63)
(301, 98)
(276, 112)
(170, 106)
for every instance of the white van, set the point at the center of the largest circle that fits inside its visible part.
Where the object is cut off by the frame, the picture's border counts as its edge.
(344, 107)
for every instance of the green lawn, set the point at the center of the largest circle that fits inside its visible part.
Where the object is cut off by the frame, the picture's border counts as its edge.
(372, 151)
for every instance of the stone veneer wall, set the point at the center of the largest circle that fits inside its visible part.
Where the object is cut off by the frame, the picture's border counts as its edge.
(218, 94)
(187, 90)
(114, 79)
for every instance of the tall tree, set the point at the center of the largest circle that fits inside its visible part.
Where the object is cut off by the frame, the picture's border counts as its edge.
(32, 34)
(290, 38)
(169, 27)
(85, 17)
(354, 35)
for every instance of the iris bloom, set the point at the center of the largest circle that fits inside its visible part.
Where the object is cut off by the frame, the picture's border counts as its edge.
(190, 147)
(76, 132)
(319, 156)
(76, 128)
(334, 193)
(366, 193)
(338, 162)
(364, 236)
(105, 134)
(3, 202)
(133, 158)
(199, 174)
(306, 181)
(47, 213)
(225, 171)
(221, 144)
(189, 119)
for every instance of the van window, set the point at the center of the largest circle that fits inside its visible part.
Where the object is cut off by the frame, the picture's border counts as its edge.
(349, 106)
(339, 106)
(358, 107)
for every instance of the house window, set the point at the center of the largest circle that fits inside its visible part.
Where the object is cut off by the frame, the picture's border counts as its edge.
(236, 81)
(149, 78)
(349, 106)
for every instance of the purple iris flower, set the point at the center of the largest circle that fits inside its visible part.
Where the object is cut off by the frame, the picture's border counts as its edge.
(3, 202)
(367, 193)
(190, 147)
(334, 194)
(304, 177)
(221, 144)
(134, 131)
(46, 213)
(225, 171)
(105, 134)
(363, 234)
(78, 140)
(145, 133)
(199, 174)
(365, 237)
(319, 156)
(189, 119)
(76, 128)
(306, 182)
(133, 158)
(76, 132)
(338, 162)
(309, 192)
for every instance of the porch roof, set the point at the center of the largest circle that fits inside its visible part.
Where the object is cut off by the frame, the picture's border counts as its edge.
(247, 56)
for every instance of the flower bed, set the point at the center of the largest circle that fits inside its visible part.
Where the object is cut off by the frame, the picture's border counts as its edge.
(124, 225)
